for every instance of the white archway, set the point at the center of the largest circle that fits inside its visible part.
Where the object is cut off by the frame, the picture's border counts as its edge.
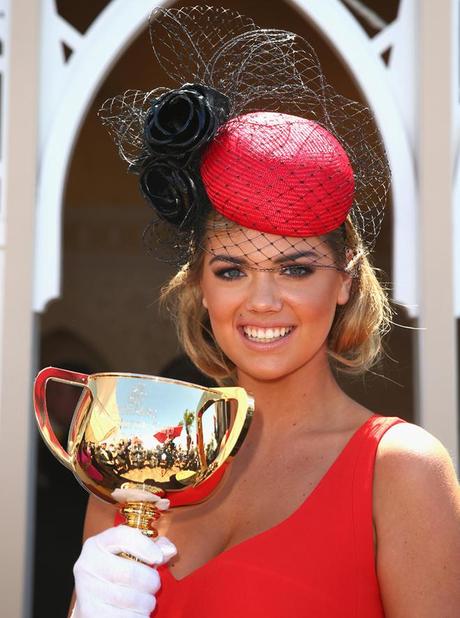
(106, 40)
(456, 233)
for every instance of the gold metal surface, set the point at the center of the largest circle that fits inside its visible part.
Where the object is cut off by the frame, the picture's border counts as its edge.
(142, 515)
(136, 438)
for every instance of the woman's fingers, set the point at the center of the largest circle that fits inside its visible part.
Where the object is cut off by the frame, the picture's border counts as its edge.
(96, 591)
(107, 567)
(132, 541)
(96, 609)
(111, 586)
(167, 548)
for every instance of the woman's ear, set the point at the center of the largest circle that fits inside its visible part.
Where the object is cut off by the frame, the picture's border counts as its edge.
(204, 303)
(343, 295)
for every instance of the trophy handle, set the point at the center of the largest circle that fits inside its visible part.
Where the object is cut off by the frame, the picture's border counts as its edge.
(242, 421)
(41, 411)
(240, 426)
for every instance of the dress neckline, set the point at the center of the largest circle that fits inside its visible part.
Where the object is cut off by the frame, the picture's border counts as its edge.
(165, 569)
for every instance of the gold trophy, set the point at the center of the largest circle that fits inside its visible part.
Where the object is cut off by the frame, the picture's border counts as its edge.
(137, 439)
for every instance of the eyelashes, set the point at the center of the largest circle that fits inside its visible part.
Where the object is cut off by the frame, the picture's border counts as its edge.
(297, 270)
(229, 273)
(293, 271)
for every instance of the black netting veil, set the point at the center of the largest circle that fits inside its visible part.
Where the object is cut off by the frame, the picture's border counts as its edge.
(225, 68)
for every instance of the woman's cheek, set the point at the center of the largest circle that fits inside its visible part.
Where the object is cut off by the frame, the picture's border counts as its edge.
(220, 309)
(316, 309)
(223, 335)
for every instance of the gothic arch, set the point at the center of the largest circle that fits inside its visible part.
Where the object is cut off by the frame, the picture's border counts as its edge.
(456, 231)
(95, 53)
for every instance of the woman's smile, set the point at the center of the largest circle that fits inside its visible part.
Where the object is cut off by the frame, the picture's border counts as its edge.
(266, 338)
(269, 334)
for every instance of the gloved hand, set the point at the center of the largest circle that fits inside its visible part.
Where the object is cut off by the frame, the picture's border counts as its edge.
(110, 586)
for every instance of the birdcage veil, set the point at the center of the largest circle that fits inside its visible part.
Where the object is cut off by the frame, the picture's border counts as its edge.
(251, 138)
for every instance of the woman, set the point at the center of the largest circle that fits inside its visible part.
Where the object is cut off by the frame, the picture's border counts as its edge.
(271, 188)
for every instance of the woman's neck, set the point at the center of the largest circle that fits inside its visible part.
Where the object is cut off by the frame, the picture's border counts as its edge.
(309, 395)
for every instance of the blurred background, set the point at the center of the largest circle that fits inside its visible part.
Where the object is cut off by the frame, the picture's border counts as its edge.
(79, 290)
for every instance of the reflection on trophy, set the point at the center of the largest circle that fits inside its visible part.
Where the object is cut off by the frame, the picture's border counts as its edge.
(135, 439)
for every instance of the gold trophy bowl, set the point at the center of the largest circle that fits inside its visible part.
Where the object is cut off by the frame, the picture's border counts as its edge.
(137, 439)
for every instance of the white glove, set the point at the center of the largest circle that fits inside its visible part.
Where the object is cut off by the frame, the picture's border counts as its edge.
(110, 586)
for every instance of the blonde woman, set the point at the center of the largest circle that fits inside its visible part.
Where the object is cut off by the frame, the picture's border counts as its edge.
(270, 188)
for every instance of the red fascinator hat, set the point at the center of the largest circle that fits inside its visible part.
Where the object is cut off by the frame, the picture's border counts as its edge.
(279, 174)
(252, 131)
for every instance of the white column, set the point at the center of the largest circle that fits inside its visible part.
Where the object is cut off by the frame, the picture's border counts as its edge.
(16, 342)
(437, 362)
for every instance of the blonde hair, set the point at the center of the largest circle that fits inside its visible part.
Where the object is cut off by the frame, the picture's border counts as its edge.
(355, 338)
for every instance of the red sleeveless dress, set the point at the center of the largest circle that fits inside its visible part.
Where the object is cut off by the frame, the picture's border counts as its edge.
(317, 563)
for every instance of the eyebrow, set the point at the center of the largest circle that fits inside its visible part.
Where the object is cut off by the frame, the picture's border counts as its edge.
(295, 255)
(284, 257)
(228, 258)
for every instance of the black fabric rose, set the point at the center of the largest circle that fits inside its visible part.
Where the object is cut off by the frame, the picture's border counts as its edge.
(172, 191)
(181, 122)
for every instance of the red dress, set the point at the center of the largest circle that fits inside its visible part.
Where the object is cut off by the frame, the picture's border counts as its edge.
(318, 563)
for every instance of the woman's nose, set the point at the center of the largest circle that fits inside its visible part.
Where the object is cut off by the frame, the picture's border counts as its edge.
(264, 293)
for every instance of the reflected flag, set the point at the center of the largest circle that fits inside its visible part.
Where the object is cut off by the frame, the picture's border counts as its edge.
(169, 433)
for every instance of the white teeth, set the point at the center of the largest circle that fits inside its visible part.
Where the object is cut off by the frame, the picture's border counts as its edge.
(265, 335)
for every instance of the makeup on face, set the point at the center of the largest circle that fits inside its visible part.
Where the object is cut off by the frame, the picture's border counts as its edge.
(271, 311)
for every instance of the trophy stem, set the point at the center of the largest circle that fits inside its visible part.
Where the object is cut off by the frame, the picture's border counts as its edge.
(141, 515)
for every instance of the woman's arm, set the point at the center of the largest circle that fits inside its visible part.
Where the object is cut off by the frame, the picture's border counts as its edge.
(417, 519)
(99, 516)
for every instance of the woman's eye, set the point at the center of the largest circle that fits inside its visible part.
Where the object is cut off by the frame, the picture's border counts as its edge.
(297, 270)
(229, 273)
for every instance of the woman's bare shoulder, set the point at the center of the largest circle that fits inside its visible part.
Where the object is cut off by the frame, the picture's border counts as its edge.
(408, 453)
(413, 468)
(417, 521)
(409, 438)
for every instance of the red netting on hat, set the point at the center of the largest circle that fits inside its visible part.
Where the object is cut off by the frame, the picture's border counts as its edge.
(253, 156)
(279, 174)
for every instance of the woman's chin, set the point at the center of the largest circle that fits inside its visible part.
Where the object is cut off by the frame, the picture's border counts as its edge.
(265, 374)
(275, 370)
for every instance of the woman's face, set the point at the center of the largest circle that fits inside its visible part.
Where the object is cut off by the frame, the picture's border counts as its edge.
(271, 305)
